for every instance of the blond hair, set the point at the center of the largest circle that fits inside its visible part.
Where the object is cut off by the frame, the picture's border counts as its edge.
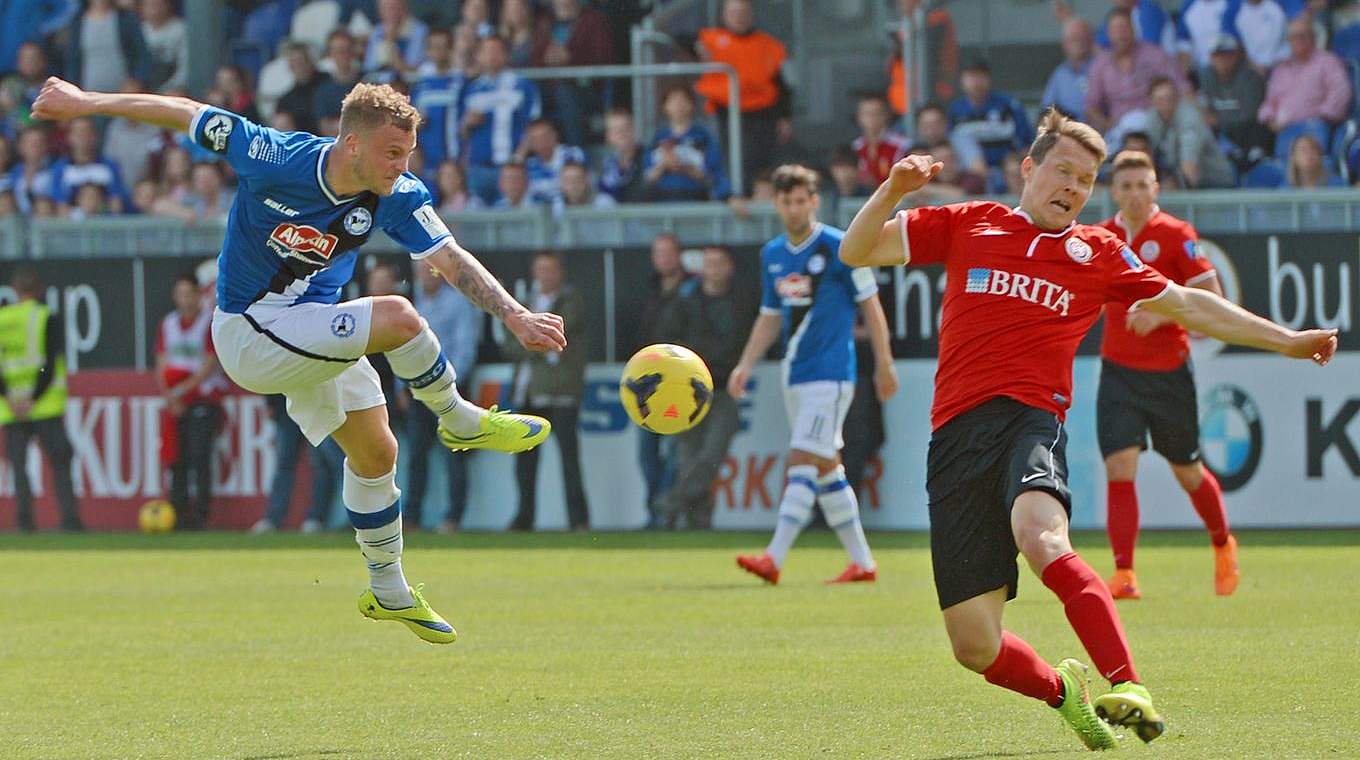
(369, 106)
(1053, 125)
(1131, 159)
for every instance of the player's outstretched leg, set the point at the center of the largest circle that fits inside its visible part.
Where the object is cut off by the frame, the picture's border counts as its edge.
(795, 511)
(462, 424)
(841, 508)
(1207, 498)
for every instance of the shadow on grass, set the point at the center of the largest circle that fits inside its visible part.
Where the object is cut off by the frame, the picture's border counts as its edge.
(300, 755)
(979, 755)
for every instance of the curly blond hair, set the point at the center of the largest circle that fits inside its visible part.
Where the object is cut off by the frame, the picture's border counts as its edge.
(369, 106)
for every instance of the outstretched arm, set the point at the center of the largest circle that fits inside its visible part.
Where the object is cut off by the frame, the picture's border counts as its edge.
(873, 240)
(60, 100)
(1220, 318)
(538, 332)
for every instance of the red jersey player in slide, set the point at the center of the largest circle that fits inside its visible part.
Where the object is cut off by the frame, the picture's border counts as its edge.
(1146, 386)
(1024, 285)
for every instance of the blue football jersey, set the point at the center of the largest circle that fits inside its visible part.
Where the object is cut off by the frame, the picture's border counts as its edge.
(290, 239)
(436, 96)
(817, 295)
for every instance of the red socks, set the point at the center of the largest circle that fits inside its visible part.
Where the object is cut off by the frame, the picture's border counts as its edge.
(1208, 501)
(1121, 521)
(1018, 668)
(1090, 610)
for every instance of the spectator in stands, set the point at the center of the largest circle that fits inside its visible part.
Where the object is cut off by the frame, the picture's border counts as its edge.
(1118, 81)
(191, 383)
(1015, 179)
(877, 148)
(144, 196)
(301, 99)
(1184, 146)
(90, 202)
(8, 206)
(25, 22)
(513, 185)
(327, 462)
(1197, 28)
(209, 199)
(1232, 93)
(175, 185)
(236, 93)
(1310, 88)
(1260, 24)
(713, 320)
(544, 156)
(994, 120)
(105, 47)
(551, 385)
(167, 43)
(1067, 85)
(953, 182)
(342, 65)
(844, 170)
(476, 15)
(1149, 19)
(651, 316)
(436, 92)
(87, 165)
(496, 108)
(131, 145)
(518, 24)
(1307, 167)
(932, 128)
(451, 189)
(575, 190)
(32, 179)
(20, 89)
(757, 57)
(621, 169)
(684, 162)
(569, 33)
(398, 41)
(458, 325)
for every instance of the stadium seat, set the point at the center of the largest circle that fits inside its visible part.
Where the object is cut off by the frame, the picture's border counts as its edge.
(313, 22)
(1346, 42)
(275, 80)
(1265, 174)
(1315, 127)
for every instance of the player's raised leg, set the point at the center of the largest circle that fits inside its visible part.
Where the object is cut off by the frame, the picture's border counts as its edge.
(1039, 522)
(373, 504)
(416, 357)
(1207, 498)
(1121, 520)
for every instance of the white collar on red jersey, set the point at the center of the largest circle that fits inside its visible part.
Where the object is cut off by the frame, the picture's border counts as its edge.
(1119, 220)
(1042, 234)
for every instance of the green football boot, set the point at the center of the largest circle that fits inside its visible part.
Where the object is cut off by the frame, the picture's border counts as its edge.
(421, 619)
(1130, 705)
(501, 431)
(1076, 708)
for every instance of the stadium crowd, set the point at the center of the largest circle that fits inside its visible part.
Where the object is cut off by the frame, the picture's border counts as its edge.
(1245, 93)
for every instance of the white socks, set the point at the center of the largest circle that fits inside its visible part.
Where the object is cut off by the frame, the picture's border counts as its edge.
(795, 510)
(374, 507)
(421, 363)
(841, 508)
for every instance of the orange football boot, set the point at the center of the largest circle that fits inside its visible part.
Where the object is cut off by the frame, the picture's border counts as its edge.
(762, 566)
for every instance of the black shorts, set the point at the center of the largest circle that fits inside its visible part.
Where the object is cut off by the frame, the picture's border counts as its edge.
(1132, 403)
(979, 462)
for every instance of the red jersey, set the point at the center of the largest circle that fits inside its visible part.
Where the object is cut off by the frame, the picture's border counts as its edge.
(1017, 300)
(876, 162)
(185, 346)
(1171, 246)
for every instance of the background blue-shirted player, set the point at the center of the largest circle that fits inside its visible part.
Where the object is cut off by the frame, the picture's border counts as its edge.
(813, 297)
(304, 206)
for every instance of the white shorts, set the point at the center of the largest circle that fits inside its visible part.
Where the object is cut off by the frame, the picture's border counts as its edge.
(312, 353)
(817, 412)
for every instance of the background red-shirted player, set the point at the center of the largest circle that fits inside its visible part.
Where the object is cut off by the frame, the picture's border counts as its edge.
(1023, 286)
(1146, 384)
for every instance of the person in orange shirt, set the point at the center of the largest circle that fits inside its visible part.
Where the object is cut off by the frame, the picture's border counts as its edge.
(757, 57)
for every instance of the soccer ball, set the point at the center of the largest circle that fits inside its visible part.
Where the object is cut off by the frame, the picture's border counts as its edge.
(666, 389)
(156, 517)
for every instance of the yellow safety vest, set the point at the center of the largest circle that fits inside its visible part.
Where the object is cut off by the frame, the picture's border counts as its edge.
(23, 334)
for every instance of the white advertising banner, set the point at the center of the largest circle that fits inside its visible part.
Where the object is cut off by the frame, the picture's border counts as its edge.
(1281, 434)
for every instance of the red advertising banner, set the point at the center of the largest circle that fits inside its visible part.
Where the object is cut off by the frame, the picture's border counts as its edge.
(113, 421)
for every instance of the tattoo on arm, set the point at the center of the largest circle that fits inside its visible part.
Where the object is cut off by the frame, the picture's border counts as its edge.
(466, 273)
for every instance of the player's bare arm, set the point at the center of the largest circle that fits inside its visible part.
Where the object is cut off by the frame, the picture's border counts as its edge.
(536, 331)
(1141, 321)
(763, 335)
(60, 100)
(885, 372)
(1220, 318)
(873, 238)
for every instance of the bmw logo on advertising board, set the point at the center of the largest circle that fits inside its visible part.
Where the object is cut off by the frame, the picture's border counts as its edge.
(1230, 435)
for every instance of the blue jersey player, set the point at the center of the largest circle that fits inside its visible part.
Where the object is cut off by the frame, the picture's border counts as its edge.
(810, 298)
(303, 207)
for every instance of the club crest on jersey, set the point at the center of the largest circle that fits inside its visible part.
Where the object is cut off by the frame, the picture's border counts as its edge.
(1149, 251)
(1078, 249)
(358, 221)
(217, 130)
(795, 289)
(342, 325)
(290, 239)
(1035, 290)
(816, 264)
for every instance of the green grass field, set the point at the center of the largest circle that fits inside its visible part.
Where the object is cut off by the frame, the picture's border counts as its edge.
(635, 646)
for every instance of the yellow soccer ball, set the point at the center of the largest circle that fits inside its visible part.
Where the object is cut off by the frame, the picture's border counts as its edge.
(666, 389)
(156, 517)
